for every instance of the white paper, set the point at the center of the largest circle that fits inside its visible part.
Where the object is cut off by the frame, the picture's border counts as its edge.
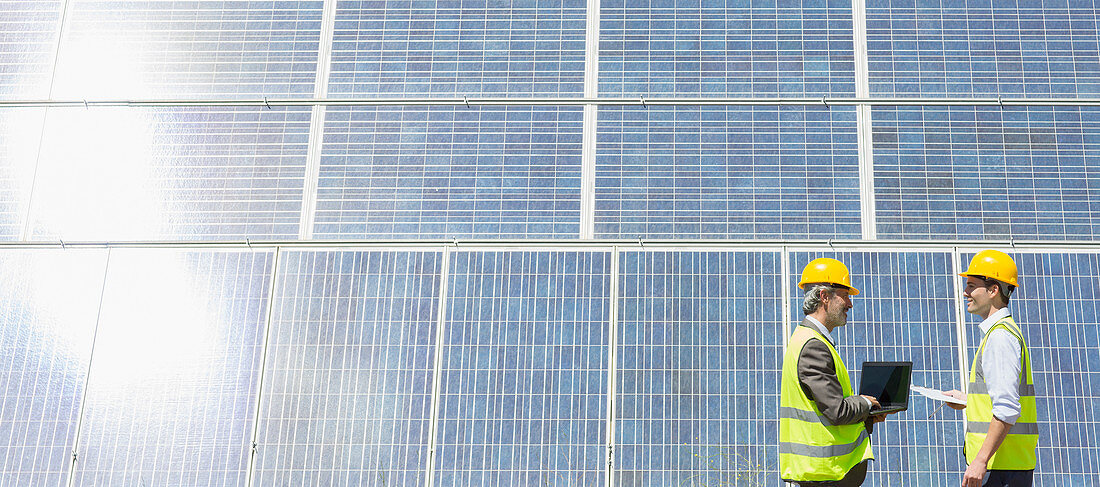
(937, 395)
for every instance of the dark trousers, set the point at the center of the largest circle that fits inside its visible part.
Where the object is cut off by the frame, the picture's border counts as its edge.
(1009, 478)
(854, 478)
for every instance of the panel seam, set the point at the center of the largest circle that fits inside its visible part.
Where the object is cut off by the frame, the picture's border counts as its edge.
(612, 369)
(588, 128)
(437, 372)
(88, 373)
(312, 171)
(865, 153)
(264, 351)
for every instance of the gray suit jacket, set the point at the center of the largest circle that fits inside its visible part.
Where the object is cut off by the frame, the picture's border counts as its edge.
(817, 375)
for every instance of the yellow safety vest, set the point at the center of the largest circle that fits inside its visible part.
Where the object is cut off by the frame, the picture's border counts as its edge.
(810, 447)
(1017, 452)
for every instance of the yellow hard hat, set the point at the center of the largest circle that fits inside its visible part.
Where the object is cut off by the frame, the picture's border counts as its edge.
(993, 264)
(828, 271)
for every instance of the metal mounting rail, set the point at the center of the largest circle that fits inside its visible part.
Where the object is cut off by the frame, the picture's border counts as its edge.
(554, 101)
(901, 245)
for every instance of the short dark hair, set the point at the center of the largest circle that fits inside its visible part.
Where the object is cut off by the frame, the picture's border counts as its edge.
(1003, 288)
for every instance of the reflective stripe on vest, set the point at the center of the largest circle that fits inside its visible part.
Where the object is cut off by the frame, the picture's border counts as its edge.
(1017, 451)
(810, 447)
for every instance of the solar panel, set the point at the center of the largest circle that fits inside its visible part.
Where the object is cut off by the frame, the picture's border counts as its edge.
(444, 172)
(1031, 48)
(738, 48)
(176, 366)
(28, 40)
(48, 305)
(905, 311)
(523, 398)
(727, 172)
(697, 368)
(987, 172)
(348, 386)
(449, 47)
(171, 173)
(1056, 308)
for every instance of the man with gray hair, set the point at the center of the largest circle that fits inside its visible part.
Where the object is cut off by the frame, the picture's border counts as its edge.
(824, 429)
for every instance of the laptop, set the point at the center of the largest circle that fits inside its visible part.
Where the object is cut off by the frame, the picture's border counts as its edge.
(889, 383)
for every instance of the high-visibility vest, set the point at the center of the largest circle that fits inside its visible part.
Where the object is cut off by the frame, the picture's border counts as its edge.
(810, 447)
(1017, 452)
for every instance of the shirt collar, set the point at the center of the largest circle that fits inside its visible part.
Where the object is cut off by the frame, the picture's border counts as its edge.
(998, 315)
(821, 328)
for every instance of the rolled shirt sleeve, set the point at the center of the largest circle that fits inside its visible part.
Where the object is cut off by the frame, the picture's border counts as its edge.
(1001, 366)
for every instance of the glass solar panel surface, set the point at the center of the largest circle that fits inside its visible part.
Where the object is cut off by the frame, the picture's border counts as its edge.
(444, 172)
(523, 398)
(171, 173)
(727, 172)
(726, 48)
(1017, 48)
(1056, 308)
(698, 368)
(987, 173)
(451, 47)
(189, 49)
(176, 367)
(348, 387)
(906, 310)
(48, 306)
(28, 41)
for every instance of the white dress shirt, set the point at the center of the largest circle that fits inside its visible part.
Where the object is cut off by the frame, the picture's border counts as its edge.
(821, 328)
(1001, 364)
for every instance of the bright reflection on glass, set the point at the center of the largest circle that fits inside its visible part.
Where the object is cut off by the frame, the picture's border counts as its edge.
(19, 132)
(92, 176)
(175, 369)
(48, 305)
(96, 68)
(166, 328)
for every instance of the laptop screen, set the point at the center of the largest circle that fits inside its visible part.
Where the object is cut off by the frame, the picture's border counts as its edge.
(886, 381)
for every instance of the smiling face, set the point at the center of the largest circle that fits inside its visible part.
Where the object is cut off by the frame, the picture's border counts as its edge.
(836, 308)
(980, 298)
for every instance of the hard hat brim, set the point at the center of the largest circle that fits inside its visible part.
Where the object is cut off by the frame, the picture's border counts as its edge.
(851, 290)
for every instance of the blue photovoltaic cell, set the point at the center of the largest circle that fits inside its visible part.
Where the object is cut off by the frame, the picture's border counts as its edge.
(48, 304)
(20, 129)
(698, 368)
(1038, 48)
(730, 48)
(523, 398)
(727, 172)
(131, 49)
(459, 47)
(450, 172)
(348, 387)
(28, 40)
(176, 367)
(1056, 307)
(905, 310)
(171, 173)
(987, 172)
